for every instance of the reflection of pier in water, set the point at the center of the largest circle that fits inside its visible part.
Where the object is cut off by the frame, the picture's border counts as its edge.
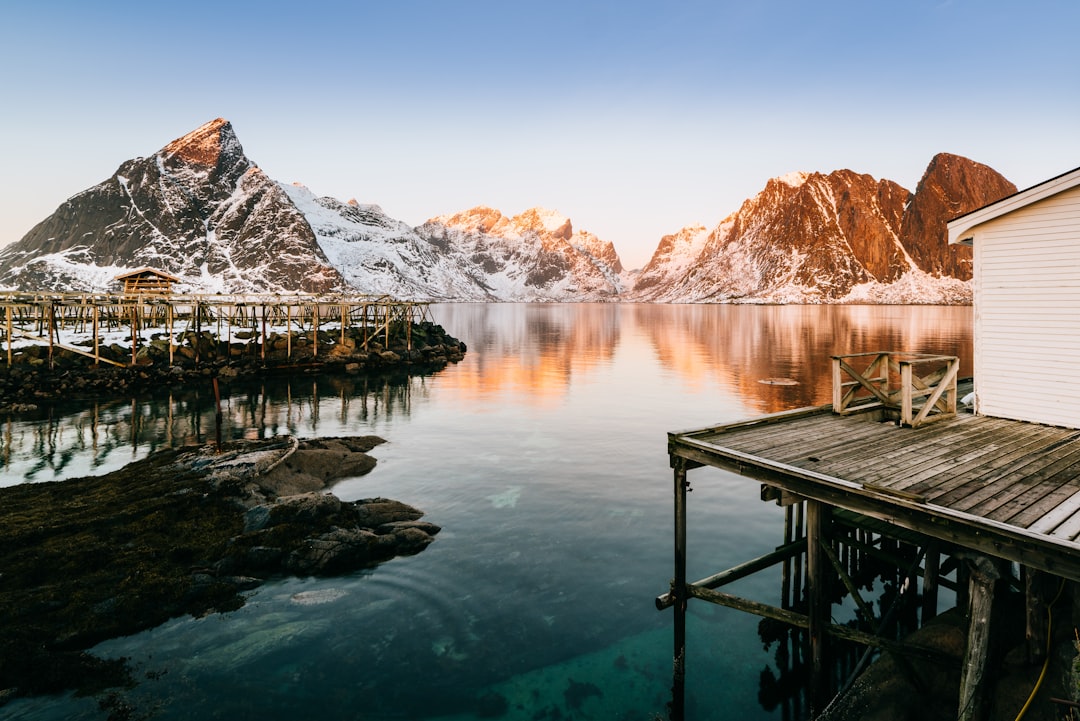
(104, 436)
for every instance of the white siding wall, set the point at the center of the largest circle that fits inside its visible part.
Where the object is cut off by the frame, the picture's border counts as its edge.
(1027, 313)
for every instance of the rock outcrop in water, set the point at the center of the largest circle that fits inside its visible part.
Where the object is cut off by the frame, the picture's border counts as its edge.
(183, 531)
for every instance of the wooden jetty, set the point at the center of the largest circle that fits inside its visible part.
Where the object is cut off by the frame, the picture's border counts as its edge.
(871, 474)
(44, 318)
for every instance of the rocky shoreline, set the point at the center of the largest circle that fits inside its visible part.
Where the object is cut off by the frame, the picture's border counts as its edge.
(184, 531)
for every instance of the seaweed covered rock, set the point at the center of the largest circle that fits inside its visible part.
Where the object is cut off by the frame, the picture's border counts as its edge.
(184, 531)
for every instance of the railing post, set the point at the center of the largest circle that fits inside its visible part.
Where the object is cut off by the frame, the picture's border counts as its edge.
(837, 386)
(905, 393)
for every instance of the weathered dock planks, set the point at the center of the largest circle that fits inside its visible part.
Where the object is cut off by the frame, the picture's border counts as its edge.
(981, 491)
(984, 471)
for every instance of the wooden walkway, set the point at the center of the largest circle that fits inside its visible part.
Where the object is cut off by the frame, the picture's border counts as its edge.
(1009, 489)
(980, 491)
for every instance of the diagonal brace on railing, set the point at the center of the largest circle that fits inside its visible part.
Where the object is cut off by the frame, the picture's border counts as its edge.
(865, 382)
(947, 384)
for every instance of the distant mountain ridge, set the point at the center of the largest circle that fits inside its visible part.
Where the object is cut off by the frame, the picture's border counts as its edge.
(841, 237)
(201, 210)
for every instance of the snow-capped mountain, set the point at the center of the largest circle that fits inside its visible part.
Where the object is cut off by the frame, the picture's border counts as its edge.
(841, 237)
(198, 208)
(477, 255)
(201, 210)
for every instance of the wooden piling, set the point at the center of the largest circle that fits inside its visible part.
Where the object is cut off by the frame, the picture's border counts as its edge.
(678, 590)
(974, 692)
(819, 606)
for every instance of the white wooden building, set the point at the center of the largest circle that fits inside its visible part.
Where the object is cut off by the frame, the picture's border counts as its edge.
(1027, 302)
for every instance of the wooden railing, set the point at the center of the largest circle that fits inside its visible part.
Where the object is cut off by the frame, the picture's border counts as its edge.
(920, 387)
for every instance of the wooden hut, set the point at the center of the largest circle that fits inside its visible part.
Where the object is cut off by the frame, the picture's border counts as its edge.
(1027, 302)
(143, 281)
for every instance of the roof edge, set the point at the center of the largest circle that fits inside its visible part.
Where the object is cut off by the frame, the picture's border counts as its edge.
(961, 226)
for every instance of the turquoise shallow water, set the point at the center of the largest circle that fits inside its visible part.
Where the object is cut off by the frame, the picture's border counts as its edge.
(542, 455)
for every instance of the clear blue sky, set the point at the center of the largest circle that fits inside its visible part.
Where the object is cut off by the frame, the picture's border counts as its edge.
(632, 118)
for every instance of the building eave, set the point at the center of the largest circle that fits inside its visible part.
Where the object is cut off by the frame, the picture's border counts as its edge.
(961, 229)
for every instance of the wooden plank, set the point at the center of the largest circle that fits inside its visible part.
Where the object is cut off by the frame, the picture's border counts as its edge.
(928, 452)
(1041, 480)
(909, 452)
(769, 419)
(1023, 462)
(762, 439)
(948, 470)
(971, 471)
(1057, 515)
(1060, 495)
(1069, 529)
(970, 457)
(818, 440)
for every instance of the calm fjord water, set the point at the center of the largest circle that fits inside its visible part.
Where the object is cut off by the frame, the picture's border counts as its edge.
(543, 457)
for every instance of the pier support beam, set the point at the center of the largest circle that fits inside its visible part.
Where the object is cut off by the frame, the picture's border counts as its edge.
(819, 606)
(931, 576)
(678, 590)
(973, 687)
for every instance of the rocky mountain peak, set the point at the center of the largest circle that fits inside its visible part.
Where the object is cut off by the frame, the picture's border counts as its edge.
(203, 146)
(544, 222)
(793, 179)
(201, 210)
(951, 185)
(198, 209)
(480, 219)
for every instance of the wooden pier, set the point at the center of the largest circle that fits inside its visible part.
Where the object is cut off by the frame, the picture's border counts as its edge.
(47, 318)
(966, 493)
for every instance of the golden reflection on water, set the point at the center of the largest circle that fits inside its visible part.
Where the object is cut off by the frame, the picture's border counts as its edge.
(520, 356)
(741, 346)
(771, 357)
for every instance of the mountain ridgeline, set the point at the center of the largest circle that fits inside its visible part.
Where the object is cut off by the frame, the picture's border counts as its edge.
(201, 210)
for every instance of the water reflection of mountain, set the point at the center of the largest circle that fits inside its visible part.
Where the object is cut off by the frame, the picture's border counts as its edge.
(741, 346)
(533, 348)
(100, 437)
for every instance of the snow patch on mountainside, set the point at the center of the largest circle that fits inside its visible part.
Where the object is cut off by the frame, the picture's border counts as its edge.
(913, 287)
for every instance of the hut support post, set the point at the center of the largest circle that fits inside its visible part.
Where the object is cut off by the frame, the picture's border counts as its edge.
(169, 332)
(97, 340)
(819, 607)
(52, 327)
(678, 590)
(1036, 594)
(364, 315)
(931, 572)
(973, 686)
(8, 314)
(386, 327)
